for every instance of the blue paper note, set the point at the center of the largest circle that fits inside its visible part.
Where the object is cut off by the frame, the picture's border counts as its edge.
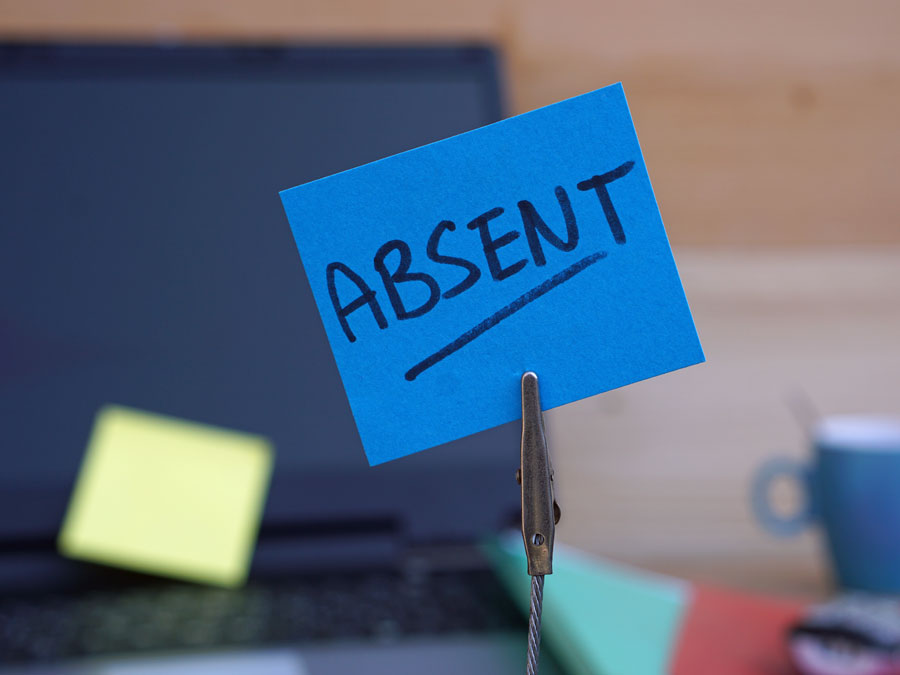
(444, 273)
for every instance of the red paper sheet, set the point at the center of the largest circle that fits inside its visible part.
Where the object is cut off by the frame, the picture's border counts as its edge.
(730, 633)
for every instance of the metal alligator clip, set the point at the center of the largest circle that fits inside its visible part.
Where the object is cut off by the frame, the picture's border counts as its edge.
(540, 512)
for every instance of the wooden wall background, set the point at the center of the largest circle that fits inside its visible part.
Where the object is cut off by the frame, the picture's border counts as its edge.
(772, 133)
(762, 122)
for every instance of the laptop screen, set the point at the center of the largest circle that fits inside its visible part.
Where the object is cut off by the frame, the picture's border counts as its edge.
(146, 261)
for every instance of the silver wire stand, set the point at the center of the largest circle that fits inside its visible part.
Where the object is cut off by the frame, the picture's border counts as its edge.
(540, 512)
(534, 624)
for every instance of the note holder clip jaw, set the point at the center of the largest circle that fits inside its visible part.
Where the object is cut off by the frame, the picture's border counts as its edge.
(540, 512)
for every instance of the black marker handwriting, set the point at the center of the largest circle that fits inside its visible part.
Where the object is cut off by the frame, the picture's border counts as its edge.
(402, 278)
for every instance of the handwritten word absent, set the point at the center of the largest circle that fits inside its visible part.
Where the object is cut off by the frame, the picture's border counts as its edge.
(537, 233)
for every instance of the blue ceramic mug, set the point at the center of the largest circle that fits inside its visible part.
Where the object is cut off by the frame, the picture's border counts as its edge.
(851, 489)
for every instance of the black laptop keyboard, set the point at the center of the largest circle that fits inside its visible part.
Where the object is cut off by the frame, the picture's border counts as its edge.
(167, 617)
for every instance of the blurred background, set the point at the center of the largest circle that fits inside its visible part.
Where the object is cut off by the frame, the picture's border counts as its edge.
(770, 131)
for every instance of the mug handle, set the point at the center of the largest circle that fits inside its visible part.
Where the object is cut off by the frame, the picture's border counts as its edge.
(783, 526)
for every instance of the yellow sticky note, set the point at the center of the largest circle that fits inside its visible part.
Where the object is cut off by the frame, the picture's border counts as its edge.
(167, 496)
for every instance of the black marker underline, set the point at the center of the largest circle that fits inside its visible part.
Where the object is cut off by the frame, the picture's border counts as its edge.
(504, 313)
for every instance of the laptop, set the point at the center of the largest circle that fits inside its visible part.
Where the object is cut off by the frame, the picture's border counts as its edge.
(145, 260)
